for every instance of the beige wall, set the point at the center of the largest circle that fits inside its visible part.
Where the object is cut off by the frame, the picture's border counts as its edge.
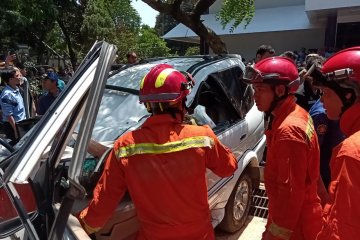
(247, 44)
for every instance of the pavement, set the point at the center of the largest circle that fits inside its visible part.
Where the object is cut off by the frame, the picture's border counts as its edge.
(252, 230)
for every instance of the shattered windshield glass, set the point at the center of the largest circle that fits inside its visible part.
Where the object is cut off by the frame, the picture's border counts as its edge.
(131, 77)
(120, 110)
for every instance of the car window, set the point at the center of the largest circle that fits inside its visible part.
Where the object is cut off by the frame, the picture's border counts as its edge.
(247, 99)
(241, 93)
(217, 104)
(232, 81)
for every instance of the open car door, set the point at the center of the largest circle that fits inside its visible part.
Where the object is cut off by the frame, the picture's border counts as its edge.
(27, 166)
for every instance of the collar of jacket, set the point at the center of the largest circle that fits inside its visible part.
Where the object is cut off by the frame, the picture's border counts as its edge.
(14, 90)
(161, 119)
(282, 110)
(350, 120)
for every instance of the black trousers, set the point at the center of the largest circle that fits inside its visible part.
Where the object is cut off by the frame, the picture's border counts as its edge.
(9, 132)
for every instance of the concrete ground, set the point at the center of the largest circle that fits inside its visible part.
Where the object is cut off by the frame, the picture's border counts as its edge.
(252, 230)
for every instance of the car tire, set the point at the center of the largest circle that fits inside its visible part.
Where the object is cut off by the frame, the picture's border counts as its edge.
(238, 205)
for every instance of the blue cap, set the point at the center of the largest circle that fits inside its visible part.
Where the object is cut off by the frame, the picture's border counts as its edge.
(50, 75)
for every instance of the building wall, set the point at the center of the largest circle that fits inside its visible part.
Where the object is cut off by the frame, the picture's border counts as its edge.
(348, 15)
(311, 5)
(247, 44)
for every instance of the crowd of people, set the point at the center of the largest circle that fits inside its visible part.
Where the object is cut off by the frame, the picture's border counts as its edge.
(299, 57)
(18, 101)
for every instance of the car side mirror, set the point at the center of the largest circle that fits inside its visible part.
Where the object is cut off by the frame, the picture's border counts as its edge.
(10, 222)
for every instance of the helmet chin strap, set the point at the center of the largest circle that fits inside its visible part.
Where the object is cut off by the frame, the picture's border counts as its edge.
(268, 114)
(165, 108)
(342, 94)
(347, 103)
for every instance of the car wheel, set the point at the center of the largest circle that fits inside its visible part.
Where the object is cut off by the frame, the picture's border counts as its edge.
(238, 205)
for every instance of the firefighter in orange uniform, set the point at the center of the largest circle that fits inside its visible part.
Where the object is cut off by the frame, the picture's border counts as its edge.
(340, 85)
(292, 163)
(162, 165)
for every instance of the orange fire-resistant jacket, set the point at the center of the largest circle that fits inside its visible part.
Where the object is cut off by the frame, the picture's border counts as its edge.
(163, 166)
(342, 214)
(291, 174)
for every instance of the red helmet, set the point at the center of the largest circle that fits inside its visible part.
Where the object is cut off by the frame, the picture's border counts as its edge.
(165, 84)
(275, 71)
(342, 68)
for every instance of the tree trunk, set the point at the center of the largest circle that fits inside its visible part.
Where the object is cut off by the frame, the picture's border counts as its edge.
(73, 58)
(192, 21)
(210, 37)
(40, 54)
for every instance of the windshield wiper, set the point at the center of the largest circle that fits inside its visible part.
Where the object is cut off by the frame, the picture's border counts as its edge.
(122, 89)
(125, 130)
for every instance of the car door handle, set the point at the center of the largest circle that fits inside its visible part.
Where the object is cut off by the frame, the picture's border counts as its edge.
(242, 137)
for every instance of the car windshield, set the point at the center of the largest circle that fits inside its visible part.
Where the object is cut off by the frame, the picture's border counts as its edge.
(130, 78)
(120, 110)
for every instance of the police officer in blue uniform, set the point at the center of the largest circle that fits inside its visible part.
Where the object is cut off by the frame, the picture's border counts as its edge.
(328, 131)
(50, 85)
(329, 135)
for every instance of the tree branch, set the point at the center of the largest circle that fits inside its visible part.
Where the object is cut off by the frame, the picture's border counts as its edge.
(191, 20)
(160, 6)
(194, 23)
(202, 5)
(72, 54)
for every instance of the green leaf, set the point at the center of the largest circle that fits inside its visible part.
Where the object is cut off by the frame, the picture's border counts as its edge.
(235, 12)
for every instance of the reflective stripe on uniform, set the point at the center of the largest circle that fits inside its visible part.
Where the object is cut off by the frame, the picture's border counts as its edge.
(169, 147)
(280, 232)
(310, 129)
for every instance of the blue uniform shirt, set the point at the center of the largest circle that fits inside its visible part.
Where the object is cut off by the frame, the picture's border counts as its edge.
(45, 102)
(12, 104)
(329, 135)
